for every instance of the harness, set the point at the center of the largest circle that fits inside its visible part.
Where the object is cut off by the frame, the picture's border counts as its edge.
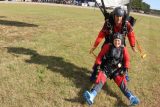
(110, 27)
(112, 62)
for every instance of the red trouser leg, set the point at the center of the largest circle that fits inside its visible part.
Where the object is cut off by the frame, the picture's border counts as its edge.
(120, 79)
(100, 81)
(122, 84)
(101, 77)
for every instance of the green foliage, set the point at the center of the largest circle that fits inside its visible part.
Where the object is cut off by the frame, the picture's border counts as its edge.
(139, 5)
(145, 7)
(136, 4)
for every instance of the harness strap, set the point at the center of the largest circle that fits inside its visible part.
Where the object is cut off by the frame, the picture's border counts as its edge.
(110, 28)
(108, 65)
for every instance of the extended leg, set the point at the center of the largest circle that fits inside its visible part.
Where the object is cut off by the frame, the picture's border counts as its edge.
(90, 95)
(121, 82)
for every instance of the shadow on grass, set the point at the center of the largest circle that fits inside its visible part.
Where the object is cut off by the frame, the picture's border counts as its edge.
(2, 16)
(69, 70)
(16, 23)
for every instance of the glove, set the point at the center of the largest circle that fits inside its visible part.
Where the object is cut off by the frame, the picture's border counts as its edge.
(127, 77)
(94, 73)
(96, 67)
(123, 71)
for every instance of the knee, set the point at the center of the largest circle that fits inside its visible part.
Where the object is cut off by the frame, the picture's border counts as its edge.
(119, 80)
(101, 77)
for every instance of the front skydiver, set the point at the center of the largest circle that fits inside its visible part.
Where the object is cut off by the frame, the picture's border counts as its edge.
(113, 62)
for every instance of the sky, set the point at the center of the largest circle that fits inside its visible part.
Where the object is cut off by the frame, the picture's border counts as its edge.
(155, 4)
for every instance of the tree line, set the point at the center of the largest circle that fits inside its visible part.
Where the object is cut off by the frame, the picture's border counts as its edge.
(138, 5)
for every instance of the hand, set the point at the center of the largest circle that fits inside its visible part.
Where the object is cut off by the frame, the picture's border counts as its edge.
(96, 67)
(92, 49)
(134, 49)
(124, 71)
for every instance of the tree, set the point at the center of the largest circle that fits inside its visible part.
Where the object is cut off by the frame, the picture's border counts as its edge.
(139, 5)
(145, 7)
(136, 4)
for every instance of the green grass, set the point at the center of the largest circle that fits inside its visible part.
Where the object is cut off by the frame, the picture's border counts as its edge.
(45, 61)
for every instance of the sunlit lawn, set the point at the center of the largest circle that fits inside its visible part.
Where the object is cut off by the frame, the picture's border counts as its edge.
(45, 60)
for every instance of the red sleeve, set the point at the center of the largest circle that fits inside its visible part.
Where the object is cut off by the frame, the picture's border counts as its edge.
(131, 35)
(126, 58)
(101, 35)
(103, 51)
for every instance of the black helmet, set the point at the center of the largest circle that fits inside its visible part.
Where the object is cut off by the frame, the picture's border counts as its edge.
(118, 36)
(118, 11)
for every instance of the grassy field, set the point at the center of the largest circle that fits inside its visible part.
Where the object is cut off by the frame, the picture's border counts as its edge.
(45, 60)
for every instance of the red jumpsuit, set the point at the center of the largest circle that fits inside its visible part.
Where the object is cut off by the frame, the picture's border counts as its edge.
(120, 80)
(104, 32)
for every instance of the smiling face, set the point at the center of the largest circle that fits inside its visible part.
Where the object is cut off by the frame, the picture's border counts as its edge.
(117, 42)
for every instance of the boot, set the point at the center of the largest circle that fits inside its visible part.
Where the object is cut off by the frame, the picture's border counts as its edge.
(133, 99)
(89, 96)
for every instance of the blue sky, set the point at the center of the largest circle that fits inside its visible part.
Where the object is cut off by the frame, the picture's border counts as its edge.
(155, 4)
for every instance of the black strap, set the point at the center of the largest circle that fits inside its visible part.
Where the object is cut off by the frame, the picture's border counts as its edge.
(103, 9)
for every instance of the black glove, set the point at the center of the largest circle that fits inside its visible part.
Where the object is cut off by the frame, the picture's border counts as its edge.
(96, 67)
(124, 71)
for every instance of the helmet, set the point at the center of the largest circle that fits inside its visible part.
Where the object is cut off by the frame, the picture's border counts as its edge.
(118, 11)
(118, 36)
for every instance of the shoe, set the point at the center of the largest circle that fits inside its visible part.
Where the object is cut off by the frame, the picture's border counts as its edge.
(134, 100)
(89, 96)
